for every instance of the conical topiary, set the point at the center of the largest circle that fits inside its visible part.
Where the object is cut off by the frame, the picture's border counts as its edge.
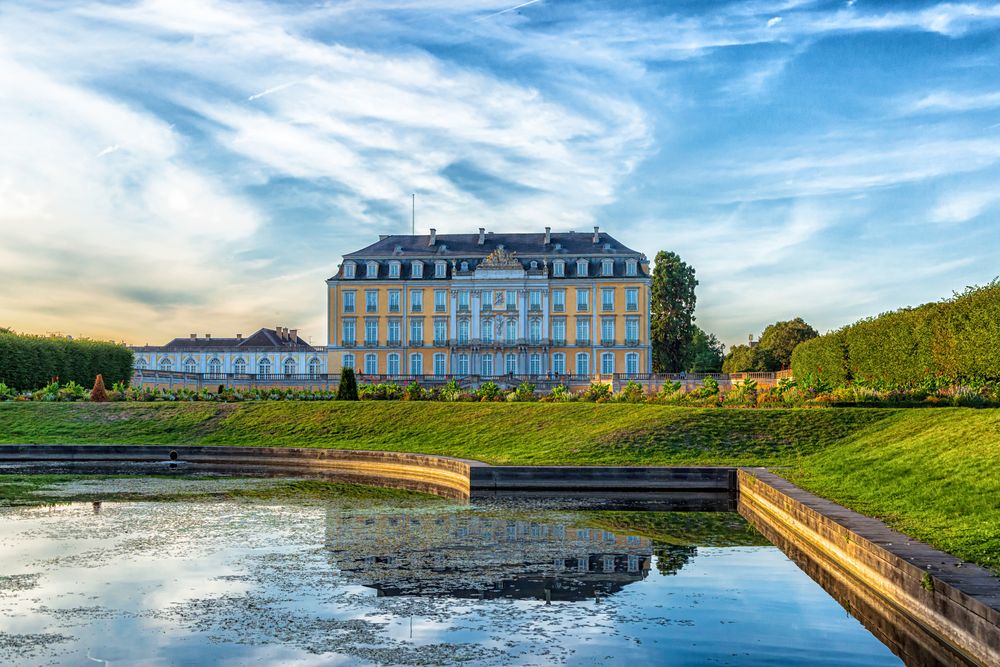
(99, 394)
(347, 390)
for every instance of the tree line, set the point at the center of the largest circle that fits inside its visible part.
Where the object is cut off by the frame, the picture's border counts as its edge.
(29, 362)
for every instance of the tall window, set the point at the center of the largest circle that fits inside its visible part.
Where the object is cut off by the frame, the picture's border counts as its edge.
(440, 332)
(392, 364)
(558, 268)
(349, 333)
(510, 363)
(348, 269)
(558, 300)
(607, 298)
(535, 331)
(582, 363)
(631, 267)
(632, 363)
(559, 363)
(463, 300)
(632, 330)
(440, 269)
(463, 364)
(314, 366)
(440, 300)
(417, 269)
(290, 366)
(240, 366)
(371, 270)
(581, 267)
(215, 367)
(371, 301)
(264, 366)
(394, 301)
(607, 363)
(394, 333)
(487, 364)
(463, 332)
(583, 331)
(417, 300)
(607, 267)
(510, 335)
(371, 364)
(371, 332)
(349, 301)
(631, 298)
(346, 361)
(583, 299)
(439, 365)
(487, 300)
(559, 332)
(535, 300)
(608, 330)
(394, 269)
(416, 331)
(486, 330)
(416, 364)
(535, 364)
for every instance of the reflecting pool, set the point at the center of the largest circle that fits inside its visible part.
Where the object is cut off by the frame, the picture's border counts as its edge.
(494, 583)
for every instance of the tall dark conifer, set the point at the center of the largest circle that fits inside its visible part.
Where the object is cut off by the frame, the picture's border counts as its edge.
(672, 312)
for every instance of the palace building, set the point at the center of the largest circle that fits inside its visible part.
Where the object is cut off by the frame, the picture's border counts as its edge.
(491, 305)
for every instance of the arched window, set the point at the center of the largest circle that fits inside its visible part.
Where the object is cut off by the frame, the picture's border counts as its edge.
(392, 364)
(582, 363)
(240, 366)
(463, 331)
(486, 330)
(439, 364)
(140, 364)
(214, 367)
(559, 363)
(535, 364)
(510, 363)
(486, 364)
(535, 331)
(264, 366)
(416, 364)
(346, 361)
(607, 363)
(632, 363)
(166, 364)
(314, 366)
(511, 335)
(290, 366)
(463, 364)
(371, 364)
(190, 365)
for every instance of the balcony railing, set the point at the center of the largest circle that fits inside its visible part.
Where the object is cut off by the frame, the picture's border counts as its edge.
(582, 307)
(349, 343)
(463, 308)
(632, 342)
(394, 343)
(416, 307)
(535, 308)
(558, 308)
(348, 309)
(559, 342)
(416, 342)
(607, 307)
(607, 342)
(440, 342)
(371, 343)
(393, 307)
(631, 307)
(371, 308)
(440, 308)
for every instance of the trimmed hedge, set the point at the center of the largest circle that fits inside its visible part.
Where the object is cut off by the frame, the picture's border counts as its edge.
(30, 362)
(957, 340)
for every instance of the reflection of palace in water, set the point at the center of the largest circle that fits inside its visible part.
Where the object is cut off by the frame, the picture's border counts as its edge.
(468, 555)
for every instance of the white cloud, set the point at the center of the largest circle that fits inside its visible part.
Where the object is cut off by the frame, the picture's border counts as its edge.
(955, 207)
(950, 101)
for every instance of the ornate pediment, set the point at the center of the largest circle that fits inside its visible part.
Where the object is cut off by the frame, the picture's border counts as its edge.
(501, 259)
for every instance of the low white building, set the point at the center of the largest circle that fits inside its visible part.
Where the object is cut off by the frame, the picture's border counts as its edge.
(266, 354)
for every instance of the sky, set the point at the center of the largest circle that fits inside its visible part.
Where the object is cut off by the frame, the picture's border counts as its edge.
(178, 166)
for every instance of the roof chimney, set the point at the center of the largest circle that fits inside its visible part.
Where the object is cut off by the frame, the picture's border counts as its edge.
(277, 330)
(293, 335)
(434, 237)
(239, 336)
(194, 336)
(482, 235)
(597, 234)
(208, 336)
(548, 236)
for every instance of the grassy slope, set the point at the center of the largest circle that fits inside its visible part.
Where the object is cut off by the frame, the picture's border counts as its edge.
(932, 473)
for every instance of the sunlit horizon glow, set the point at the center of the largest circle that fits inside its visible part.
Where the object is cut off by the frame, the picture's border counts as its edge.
(178, 166)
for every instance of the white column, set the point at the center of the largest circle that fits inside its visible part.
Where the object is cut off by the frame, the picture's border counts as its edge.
(476, 299)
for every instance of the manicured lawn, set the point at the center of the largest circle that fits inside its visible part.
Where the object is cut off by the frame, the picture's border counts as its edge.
(932, 473)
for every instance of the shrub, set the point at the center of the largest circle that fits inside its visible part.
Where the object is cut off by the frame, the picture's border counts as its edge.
(560, 393)
(347, 390)
(597, 392)
(451, 391)
(7, 393)
(632, 392)
(488, 391)
(525, 392)
(413, 392)
(99, 394)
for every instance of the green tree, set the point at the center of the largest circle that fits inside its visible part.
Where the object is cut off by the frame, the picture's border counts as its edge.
(743, 358)
(705, 352)
(672, 312)
(347, 390)
(779, 339)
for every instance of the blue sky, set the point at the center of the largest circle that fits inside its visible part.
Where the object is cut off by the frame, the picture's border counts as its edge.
(177, 166)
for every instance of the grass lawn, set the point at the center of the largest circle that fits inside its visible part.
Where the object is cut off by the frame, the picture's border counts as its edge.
(931, 473)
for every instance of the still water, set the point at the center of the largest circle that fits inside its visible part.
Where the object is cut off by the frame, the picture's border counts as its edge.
(228, 583)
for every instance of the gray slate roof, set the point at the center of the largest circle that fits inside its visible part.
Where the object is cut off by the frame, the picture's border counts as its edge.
(262, 338)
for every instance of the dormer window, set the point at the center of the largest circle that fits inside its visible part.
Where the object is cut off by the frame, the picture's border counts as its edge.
(607, 267)
(581, 267)
(631, 267)
(465, 266)
(440, 269)
(533, 265)
(348, 269)
(558, 268)
(371, 270)
(393, 269)
(417, 269)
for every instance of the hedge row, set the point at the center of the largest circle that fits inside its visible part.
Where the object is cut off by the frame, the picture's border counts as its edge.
(956, 340)
(30, 362)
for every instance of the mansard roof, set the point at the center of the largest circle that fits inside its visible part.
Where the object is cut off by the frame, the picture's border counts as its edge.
(467, 245)
(261, 339)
